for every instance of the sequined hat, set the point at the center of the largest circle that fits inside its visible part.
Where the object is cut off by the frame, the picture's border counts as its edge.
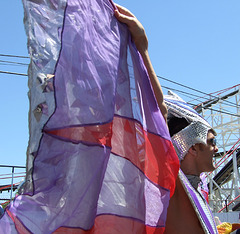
(195, 132)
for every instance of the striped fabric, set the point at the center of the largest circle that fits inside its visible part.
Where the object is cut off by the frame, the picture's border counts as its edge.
(100, 159)
(200, 206)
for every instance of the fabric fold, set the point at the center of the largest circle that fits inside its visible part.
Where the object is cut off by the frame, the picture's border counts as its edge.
(100, 156)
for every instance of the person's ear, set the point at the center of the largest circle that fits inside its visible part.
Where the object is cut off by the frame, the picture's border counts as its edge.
(193, 150)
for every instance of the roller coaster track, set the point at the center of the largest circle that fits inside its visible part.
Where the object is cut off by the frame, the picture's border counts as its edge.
(222, 111)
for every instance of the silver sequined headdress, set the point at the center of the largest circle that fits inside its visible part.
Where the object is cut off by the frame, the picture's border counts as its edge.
(195, 132)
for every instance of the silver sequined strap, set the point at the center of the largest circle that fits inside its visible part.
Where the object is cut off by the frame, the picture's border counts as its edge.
(200, 206)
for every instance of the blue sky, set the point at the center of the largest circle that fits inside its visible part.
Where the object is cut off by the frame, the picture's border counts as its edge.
(13, 95)
(195, 43)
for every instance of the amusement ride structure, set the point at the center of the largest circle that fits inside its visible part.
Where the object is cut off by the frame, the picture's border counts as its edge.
(222, 110)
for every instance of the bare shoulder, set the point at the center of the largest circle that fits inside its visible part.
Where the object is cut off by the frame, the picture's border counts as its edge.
(181, 217)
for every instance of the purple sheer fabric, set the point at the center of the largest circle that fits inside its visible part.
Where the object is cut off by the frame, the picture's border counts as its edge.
(89, 73)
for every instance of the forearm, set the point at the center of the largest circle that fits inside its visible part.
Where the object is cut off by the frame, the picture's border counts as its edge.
(140, 39)
(157, 89)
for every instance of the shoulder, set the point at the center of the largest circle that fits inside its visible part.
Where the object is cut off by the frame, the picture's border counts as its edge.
(181, 217)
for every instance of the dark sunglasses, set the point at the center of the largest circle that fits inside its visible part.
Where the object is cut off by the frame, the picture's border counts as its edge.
(212, 141)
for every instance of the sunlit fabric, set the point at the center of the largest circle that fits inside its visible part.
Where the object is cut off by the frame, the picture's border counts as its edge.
(100, 159)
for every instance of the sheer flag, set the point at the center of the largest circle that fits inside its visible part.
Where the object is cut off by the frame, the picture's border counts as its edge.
(100, 159)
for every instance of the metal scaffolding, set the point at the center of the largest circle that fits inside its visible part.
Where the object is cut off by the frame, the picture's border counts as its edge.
(222, 111)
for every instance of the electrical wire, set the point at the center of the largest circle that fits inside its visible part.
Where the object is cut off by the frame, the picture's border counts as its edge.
(13, 73)
(180, 91)
(219, 111)
(160, 77)
(11, 63)
(14, 56)
(208, 108)
(187, 87)
(17, 63)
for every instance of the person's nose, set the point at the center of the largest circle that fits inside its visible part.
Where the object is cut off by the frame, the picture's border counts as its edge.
(215, 149)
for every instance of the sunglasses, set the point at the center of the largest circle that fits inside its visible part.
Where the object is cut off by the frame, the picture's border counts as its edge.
(212, 141)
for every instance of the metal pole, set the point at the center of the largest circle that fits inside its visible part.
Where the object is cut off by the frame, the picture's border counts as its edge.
(211, 192)
(235, 174)
(226, 204)
(12, 184)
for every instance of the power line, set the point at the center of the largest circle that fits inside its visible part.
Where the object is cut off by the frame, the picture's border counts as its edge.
(185, 86)
(174, 82)
(208, 108)
(180, 91)
(191, 95)
(219, 111)
(4, 61)
(13, 73)
(14, 56)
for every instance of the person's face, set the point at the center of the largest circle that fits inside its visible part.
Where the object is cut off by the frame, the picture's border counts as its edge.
(205, 154)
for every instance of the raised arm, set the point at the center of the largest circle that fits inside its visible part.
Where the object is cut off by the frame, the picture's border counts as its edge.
(140, 39)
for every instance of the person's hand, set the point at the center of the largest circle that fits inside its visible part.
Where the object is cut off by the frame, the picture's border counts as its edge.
(135, 27)
(140, 39)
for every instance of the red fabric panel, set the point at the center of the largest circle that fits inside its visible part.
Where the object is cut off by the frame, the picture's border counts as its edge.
(96, 134)
(110, 224)
(18, 225)
(152, 154)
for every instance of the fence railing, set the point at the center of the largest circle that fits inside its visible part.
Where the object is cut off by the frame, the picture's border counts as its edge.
(10, 181)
